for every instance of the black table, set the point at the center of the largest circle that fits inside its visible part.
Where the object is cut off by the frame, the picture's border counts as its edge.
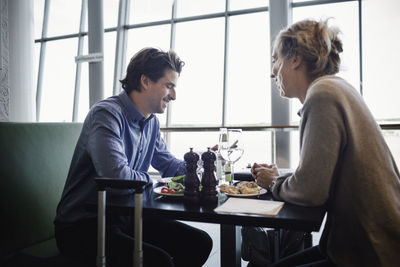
(155, 206)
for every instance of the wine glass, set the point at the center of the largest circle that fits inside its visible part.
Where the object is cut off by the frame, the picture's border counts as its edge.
(231, 148)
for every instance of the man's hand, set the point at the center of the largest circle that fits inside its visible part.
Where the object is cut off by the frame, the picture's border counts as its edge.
(264, 173)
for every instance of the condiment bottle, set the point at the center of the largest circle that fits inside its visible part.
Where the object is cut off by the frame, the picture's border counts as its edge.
(191, 182)
(208, 181)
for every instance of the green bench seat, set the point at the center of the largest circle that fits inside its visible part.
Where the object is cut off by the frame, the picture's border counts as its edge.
(34, 163)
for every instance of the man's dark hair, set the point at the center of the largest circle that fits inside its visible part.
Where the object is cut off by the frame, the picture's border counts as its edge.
(152, 63)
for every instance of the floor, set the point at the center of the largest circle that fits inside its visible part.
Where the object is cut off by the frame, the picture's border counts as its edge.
(213, 231)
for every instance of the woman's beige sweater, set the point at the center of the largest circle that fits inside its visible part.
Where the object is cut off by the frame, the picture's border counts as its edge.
(346, 165)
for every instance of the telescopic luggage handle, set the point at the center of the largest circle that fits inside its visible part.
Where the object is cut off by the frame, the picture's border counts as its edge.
(102, 184)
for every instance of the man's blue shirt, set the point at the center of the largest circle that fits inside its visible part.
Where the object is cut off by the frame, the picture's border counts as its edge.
(117, 142)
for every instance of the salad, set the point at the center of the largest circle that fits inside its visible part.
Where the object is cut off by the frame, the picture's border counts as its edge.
(175, 186)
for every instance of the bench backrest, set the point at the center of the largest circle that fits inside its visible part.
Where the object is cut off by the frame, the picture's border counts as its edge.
(34, 163)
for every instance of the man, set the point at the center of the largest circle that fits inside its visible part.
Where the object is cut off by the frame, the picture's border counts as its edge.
(120, 138)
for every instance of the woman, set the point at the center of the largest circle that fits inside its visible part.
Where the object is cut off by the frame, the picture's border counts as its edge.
(345, 162)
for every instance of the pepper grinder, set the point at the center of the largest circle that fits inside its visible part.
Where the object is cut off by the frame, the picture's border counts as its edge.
(192, 183)
(209, 182)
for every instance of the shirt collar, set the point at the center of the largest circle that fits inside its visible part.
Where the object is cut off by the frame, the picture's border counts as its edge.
(300, 112)
(132, 112)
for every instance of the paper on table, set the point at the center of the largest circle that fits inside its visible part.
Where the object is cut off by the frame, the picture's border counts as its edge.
(252, 206)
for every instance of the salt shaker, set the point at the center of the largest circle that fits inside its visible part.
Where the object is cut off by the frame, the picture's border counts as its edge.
(209, 182)
(192, 183)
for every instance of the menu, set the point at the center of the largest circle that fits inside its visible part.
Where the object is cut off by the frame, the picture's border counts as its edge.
(250, 206)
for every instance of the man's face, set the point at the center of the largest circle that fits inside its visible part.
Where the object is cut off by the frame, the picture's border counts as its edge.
(162, 91)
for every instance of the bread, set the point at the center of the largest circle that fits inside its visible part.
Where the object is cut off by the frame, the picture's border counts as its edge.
(233, 190)
(229, 189)
(223, 188)
(241, 188)
(249, 190)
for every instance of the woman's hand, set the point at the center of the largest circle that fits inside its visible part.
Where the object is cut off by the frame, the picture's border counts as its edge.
(214, 148)
(264, 173)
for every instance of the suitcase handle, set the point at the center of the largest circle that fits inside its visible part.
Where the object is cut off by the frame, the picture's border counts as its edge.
(103, 183)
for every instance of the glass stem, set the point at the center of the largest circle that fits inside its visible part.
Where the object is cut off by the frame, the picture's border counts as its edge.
(232, 173)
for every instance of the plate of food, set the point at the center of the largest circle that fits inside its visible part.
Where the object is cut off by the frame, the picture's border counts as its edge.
(165, 191)
(176, 179)
(242, 189)
(174, 186)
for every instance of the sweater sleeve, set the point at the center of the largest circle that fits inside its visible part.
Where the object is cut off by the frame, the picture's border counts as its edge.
(322, 137)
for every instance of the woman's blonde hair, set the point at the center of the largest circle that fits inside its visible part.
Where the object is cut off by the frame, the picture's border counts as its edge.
(317, 44)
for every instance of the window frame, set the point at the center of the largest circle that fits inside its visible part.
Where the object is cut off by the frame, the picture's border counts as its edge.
(277, 125)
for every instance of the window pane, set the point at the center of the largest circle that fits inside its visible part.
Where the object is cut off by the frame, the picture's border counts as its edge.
(248, 86)
(294, 149)
(181, 142)
(259, 151)
(83, 107)
(156, 36)
(110, 13)
(392, 138)
(38, 6)
(199, 91)
(257, 148)
(299, 1)
(150, 10)
(381, 88)
(59, 80)
(344, 16)
(36, 63)
(240, 4)
(64, 17)
(187, 8)
(109, 61)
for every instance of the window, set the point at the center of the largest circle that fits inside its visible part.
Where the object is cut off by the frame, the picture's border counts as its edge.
(240, 4)
(64, 17)
(381, 89)
(188, 8)
(150, 10)
(226, 47)
(248, 86)
(199, 91)
(58, 80)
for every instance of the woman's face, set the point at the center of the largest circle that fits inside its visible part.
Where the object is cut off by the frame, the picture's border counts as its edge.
(282, 73)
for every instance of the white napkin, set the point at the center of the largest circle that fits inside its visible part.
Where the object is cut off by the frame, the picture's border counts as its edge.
(251, 206)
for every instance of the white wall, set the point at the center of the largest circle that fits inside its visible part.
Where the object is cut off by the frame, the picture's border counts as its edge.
(4, 83)
(19, 103)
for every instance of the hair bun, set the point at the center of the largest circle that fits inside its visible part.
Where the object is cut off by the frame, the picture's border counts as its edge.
(316, 42)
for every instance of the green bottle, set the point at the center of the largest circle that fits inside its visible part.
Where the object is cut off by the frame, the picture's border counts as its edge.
(228, 172)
